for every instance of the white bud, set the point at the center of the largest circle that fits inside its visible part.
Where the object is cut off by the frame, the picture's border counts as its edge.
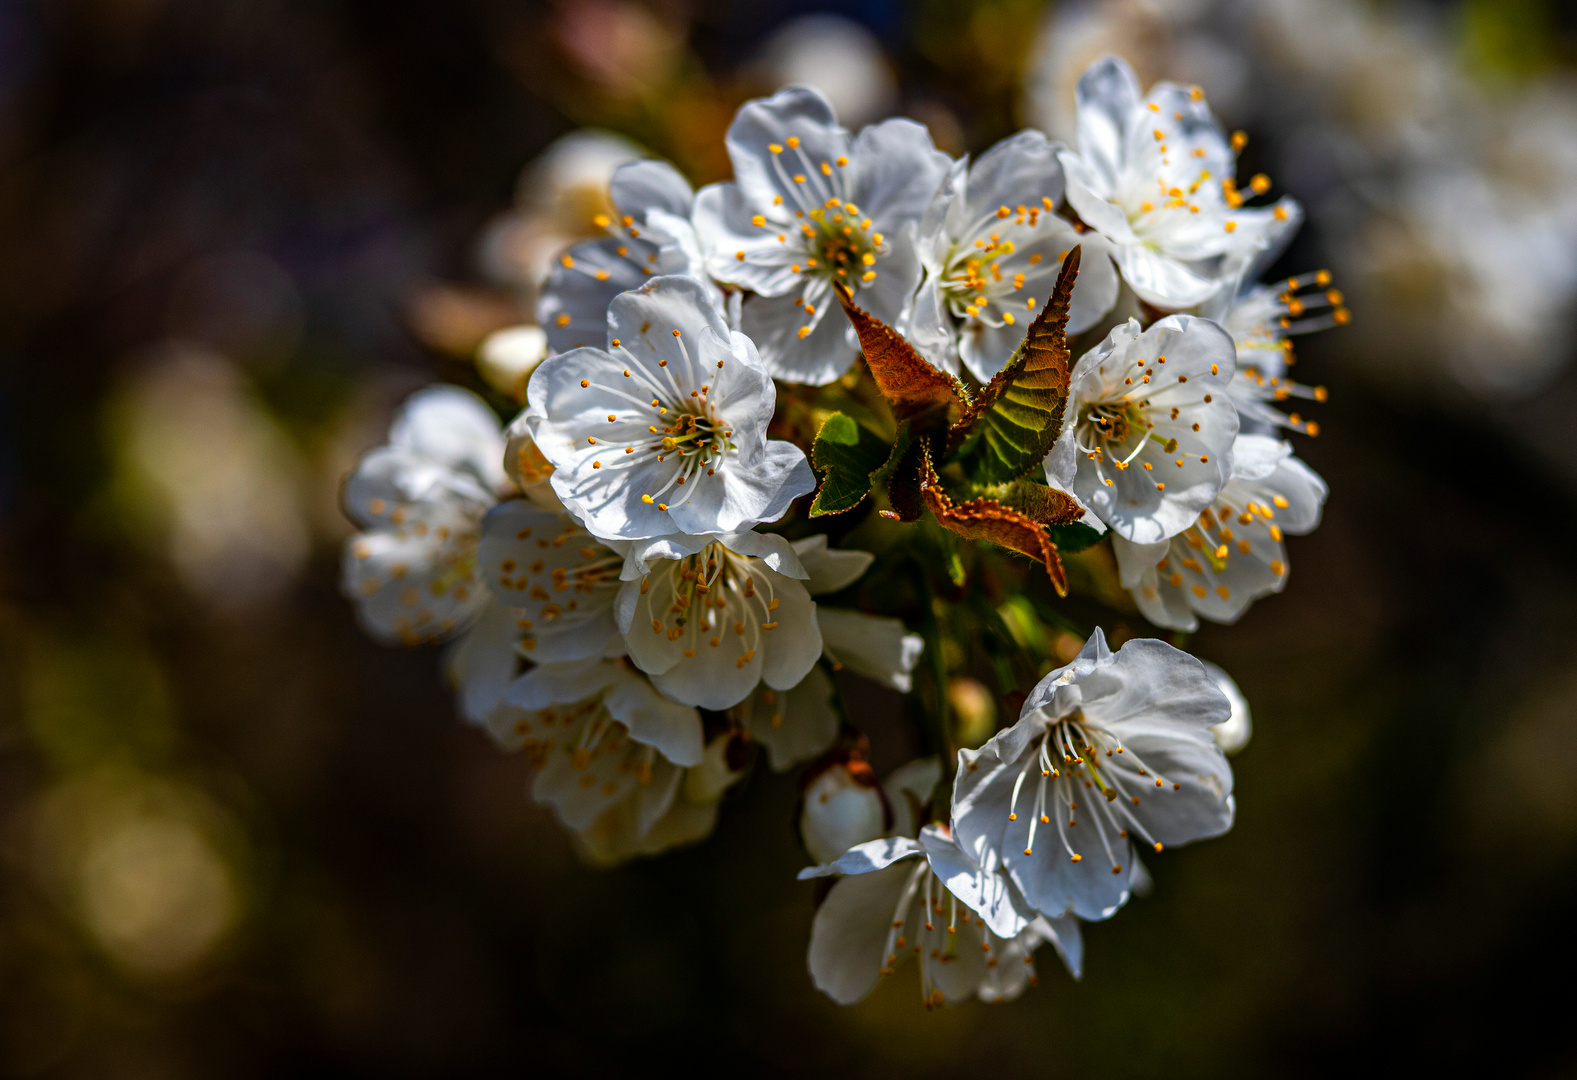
(1233, 734)
(843, 807)
(509, 356)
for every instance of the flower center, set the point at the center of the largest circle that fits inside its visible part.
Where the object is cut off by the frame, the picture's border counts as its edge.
(1074, 757)
(709, 598)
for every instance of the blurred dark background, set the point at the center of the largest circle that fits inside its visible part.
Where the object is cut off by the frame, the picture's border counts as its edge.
(239, 839)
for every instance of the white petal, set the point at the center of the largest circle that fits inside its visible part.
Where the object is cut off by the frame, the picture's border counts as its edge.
(483, 662)
(794, 725)
(867, 857)
(1107, 101)
(849, 933)
(830, 569)
(987, 892)
(898, 170)
(874, 646)
(454, 428)
(650, 185)
(909, 788)
(675, 730)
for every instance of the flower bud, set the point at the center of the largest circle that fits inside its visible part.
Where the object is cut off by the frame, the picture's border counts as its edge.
(1233, 735)
(509, 356)
(843, 806)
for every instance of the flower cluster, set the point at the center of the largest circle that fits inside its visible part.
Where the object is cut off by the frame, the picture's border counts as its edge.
(641, 595)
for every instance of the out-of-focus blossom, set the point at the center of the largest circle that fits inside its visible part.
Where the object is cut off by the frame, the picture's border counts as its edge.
(992, 246)
(624, 48)
(560, 196)
(1156, 176)
(210, 478)
(1135, 726)
(649, 234)
(1147, 443)
(971, 930)
(666, 432)
(419, 501)
(507, 358)
(810, 208)
(1235, 553)
(836, 56)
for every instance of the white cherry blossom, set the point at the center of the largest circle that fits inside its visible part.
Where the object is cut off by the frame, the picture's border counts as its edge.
(1147, 439)
(419, 502)
(709, 627)
(1234, 552)
(650, 235)
(1112, 751)
(666, 431)
(1156, 176)
(972, 932)
(808, 208)
(992, 245)
(604, 743)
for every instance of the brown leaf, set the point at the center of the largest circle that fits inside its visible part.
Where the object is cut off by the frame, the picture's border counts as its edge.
(906, 379)
(988, 519)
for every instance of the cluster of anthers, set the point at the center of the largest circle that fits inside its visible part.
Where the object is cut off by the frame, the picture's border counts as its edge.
(691, 432)
(596, 746)
(1079, 748)
(1213, 539)
(973, 278)
(937, 941)
(1105, 428)
(708, 596)
(585, 570)
(1264, 322)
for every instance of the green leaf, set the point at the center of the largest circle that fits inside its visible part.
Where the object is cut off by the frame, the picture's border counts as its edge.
(1009, 429)
(846, 454)
(1073, 536)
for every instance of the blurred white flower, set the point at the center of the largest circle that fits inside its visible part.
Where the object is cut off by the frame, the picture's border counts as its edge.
(1156, 176)
(838, 57)
(1118, 743)
(992, 246)
(419, 501)
(211, 478)
(665, 433)
(971, 930)
(649, 233)
(1234, 554)
(810, 208)
(1147, 443)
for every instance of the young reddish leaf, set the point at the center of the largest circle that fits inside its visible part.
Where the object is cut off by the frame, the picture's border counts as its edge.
(912, 384)
(1018, 414)
(988, 519)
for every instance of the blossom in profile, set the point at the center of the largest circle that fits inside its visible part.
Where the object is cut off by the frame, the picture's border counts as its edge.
(1262, 320)
(1110, 753)
(1235, 552)
(419, 502)
(1147, 439)
(665, 431)
(709, 627)
(611, 752)
(1156, 176)
(991, 246)
(971, 931)
(648, 234)
(810, 208)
